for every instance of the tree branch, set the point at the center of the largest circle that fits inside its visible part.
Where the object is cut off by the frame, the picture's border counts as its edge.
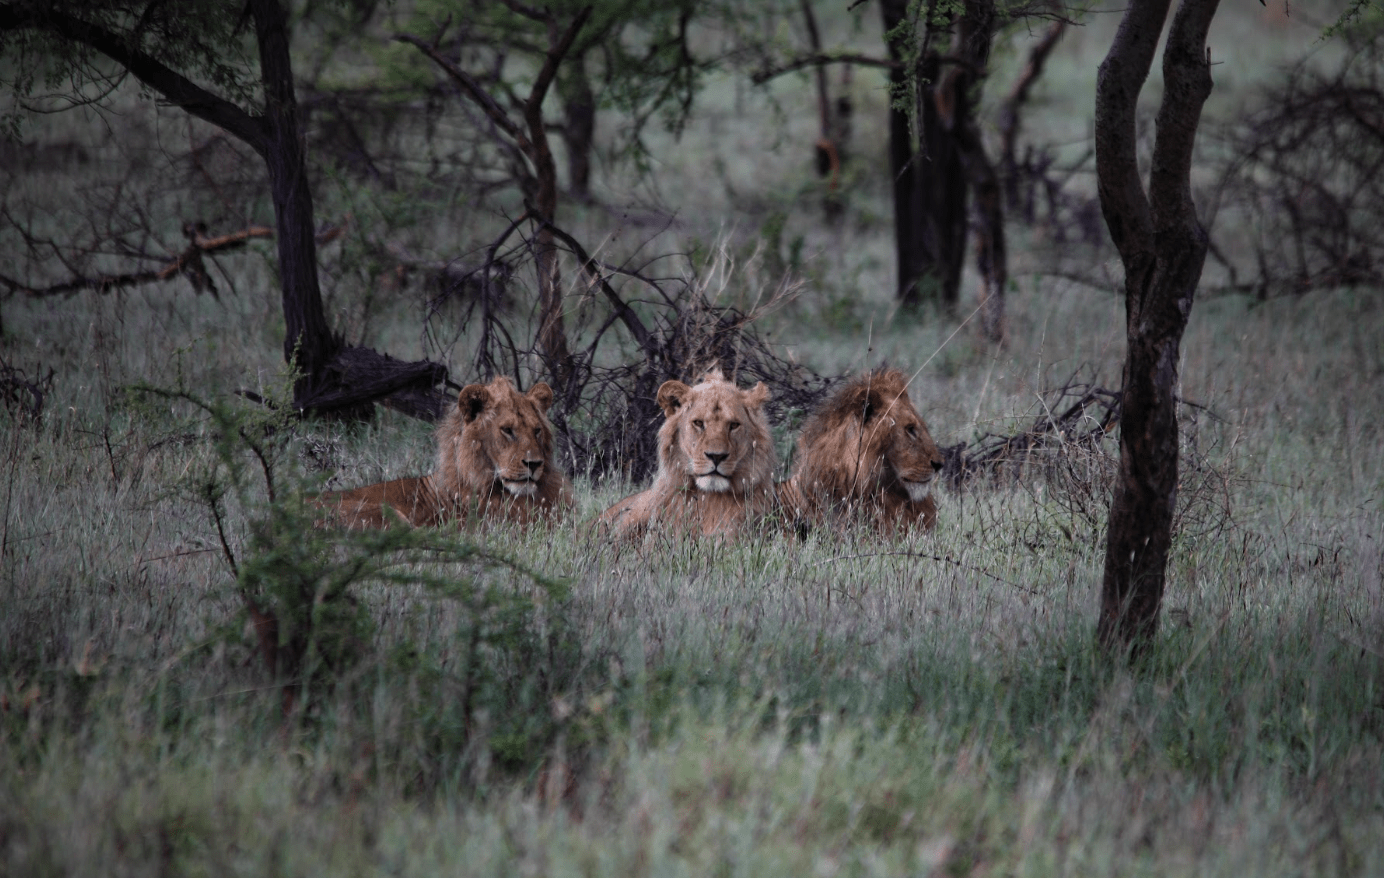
(819, 59)
(542, 156)
(627, 316)
(473, 89)
(188, 261)
(177, 88)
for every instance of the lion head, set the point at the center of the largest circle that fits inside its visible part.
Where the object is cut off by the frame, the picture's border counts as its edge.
(867, 450)
(715, 460)
(496, 439)
(715, 435)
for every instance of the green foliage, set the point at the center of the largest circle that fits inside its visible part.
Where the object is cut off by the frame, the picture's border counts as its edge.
(203, 40)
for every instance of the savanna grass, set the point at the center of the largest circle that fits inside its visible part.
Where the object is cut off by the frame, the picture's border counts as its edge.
(933, 705)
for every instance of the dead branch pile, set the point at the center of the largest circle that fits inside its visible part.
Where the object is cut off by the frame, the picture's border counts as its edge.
(1076, 415)
(22, 396)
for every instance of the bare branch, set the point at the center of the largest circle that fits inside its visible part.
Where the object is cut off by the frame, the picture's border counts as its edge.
(473, 89)
(188, 262)
(819, 59)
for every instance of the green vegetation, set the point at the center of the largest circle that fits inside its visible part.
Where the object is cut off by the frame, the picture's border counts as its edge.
(839, 705)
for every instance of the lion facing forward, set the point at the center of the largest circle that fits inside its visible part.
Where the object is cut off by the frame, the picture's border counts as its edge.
(715, 462)
(494, 461)
(866, 453)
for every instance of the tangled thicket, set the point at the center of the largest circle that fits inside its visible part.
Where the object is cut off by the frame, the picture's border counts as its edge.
(1303, 178)
(605, 414)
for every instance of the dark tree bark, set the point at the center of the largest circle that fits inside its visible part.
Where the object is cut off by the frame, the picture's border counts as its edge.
(578, 125)
(828, 149)
(929, 182)
(1163, 247)
(1009, 118)
(975, 37)
(308, 342)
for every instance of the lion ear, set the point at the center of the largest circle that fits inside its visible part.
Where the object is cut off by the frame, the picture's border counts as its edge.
(758, 395)
(542, 395)
(862, 398)
(671, 397)
(472, 401)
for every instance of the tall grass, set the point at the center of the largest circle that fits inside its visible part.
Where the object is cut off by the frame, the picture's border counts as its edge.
(840, 704)
(762, 707)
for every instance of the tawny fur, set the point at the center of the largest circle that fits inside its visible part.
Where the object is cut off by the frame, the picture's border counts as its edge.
(865, 454)
(715, 463)
(494, 462)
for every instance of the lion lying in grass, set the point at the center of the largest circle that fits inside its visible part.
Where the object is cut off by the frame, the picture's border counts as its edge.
(715, 462)
(866, 454)
(494, 461)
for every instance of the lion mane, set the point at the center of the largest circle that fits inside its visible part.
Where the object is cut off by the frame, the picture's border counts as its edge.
(494, 461)
(866, 453)
(715, 462)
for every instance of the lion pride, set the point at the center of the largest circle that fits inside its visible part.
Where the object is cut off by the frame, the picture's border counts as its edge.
(715, 462)
(865, 453)
(494, 461)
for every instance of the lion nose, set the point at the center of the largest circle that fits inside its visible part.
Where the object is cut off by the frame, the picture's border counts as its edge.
(533, 466)
(716, 458)
(937, 466)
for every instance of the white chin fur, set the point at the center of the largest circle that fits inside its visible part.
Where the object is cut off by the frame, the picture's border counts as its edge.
(713, 484)
(917, 491)
(521, 489)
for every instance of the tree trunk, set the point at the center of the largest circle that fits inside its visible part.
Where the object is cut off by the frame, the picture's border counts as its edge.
(1163, 248)
(308, 343)
(975, 37)
(579, 125)
(929, 182)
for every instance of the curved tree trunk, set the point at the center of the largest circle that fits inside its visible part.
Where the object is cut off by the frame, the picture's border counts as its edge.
(1163, 248)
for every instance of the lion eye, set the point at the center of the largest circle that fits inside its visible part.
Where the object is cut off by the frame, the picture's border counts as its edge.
(733, 426)
(912, 430)
(508, 431)
(537, 433)
(699, 425)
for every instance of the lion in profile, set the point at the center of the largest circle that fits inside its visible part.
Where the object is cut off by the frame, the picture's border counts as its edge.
(715, 462)
(494, 461)
(865, 453)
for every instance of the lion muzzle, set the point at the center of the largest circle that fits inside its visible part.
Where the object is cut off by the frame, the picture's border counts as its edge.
(714, 481)
(917, 491)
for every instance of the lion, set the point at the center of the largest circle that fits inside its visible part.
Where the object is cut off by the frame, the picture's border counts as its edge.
(866, 453)
(715, 462)
(494, 461)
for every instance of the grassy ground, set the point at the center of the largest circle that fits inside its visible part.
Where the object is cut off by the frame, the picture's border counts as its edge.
(840, 705)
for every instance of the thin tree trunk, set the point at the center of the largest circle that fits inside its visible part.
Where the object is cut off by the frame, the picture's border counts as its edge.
(308, 343)
(975, 37)
(1163, 248)
(928, 180)
(1009, 110)
(579, 126)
